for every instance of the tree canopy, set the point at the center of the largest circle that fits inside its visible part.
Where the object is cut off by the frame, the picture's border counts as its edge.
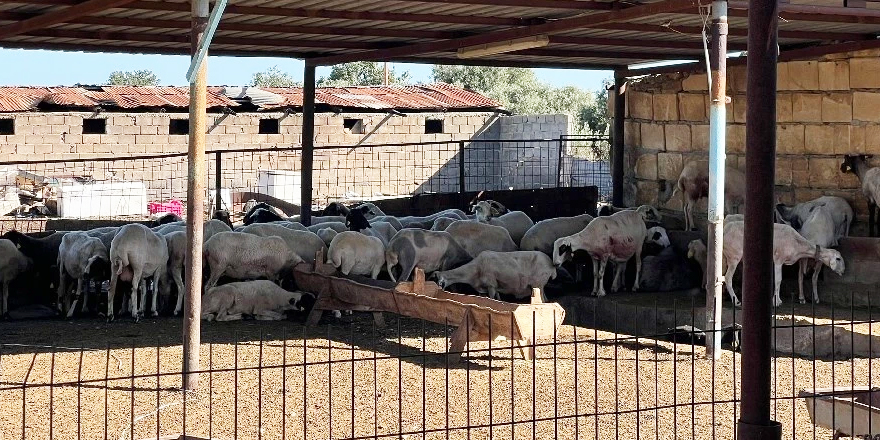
(273, 77)
(520, 91)
(134, 78)
(361, 73)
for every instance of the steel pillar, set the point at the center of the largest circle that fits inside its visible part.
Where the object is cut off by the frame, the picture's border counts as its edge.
(308, 143)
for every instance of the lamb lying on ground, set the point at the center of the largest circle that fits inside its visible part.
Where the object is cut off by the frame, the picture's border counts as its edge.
(262, 299)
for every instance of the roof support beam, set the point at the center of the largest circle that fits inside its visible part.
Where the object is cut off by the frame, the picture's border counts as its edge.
(737, 32)
(549, 4)
(830, 14)
(508, 34)
(60, 16)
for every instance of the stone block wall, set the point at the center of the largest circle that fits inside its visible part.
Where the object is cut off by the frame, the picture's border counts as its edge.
(825, 109)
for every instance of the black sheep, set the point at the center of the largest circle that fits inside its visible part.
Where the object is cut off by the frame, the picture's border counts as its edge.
(44, 253)
(263, 213)
(356, 219)
(166, 218)
(223, 216)
(335, 208)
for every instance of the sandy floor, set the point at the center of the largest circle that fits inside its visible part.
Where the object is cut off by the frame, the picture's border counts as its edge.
(379, 383)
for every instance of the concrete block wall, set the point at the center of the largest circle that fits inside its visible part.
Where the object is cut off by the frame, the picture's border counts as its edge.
(826, 108)
(524, 163)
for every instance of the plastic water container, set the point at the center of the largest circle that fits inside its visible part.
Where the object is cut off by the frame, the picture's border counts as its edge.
(284, 185)
(172, 206)
(102, 199)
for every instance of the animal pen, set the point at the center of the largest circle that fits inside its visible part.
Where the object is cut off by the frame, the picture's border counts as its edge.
(621, 365)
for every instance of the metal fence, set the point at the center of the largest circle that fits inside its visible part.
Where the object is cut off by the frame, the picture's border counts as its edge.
(618, 373)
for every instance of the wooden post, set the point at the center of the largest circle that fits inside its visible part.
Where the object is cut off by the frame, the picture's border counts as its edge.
(195, 201)
(308, 143)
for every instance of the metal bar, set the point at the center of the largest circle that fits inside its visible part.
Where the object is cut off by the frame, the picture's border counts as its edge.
(462, 185)
(552, 4)
(754, 422)
(617, 141)
(560, 146)
(736, 32)
(218, 181)
(308, 143)
(830, 14)
(59, 16)
(205, 42)
(663, 44)
(565, 24)
(717, 146)
(195, 199)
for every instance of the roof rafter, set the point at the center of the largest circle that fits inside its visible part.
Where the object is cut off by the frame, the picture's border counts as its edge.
(507, 34)
(832, 14)
(59, 16)
(550, 4)
(736, 32)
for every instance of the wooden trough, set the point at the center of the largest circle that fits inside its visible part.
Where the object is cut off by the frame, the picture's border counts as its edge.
(853, 412)
(522, 323)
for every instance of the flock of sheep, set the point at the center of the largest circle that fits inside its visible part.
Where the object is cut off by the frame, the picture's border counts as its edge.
(492, 250)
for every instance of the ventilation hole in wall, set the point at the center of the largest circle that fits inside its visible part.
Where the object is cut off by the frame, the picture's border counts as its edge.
(353, 126)
(94, 126)
(7, 126)
(433, 126)
(178, 126)
(269, 126)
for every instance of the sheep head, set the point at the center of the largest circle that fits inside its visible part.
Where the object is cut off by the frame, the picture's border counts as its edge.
(697, 250)
(562, 251)
(657, 235)
(850, 163)
(649, 213)
(356, 220)
(832, 259)
(483, 211)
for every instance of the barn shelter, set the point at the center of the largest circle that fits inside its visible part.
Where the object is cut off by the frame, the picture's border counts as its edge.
(589, 34)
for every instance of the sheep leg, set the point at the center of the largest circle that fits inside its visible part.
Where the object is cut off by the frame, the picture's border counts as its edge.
(777, 273)
(216, 273)
(227, 317)
(62, 284)
(595, 276)
(601, 276)
(406, 271)
(155, 303)
(178, 281)
(802, 270)
(493, 292)
(688, 212)
(619, 268)
(79, 292)
(111, 292)
(135, 283)
(871, 217)
(728, 281)
(638, 268)
(376, 270)
(817, 268)
(4, 305)
(269, 315)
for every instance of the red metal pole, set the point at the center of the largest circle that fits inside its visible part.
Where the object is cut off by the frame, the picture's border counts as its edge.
(755, 422)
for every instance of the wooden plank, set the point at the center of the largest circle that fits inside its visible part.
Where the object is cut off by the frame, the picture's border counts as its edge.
(60, 16)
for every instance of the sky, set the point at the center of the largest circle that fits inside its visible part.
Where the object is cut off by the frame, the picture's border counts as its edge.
(50, 68)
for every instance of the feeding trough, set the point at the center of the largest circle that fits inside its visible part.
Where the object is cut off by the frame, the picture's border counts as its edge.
(852, 412)
(476, 318)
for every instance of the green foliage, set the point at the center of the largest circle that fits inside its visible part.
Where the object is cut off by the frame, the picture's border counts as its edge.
(361, 73)
(136, 78)
(520, 91)
(273, 77)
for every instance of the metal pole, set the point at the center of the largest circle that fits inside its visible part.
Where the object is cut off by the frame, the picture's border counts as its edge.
(308, 142)
(218, 181)
(462, 187)
(561, 145)
(717, 145)
(755, 422)
(617, 141)
(195, 202)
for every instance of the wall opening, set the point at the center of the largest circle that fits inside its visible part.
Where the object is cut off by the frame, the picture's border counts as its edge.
(7, 126)
(353, 126)
(269, 126)
(94, 126)
(433, 126)
(178, 126)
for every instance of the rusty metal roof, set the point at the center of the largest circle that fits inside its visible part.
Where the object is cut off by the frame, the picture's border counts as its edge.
(419, 98)
(582, 33)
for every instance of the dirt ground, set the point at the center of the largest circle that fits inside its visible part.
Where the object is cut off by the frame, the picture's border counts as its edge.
(378, 383)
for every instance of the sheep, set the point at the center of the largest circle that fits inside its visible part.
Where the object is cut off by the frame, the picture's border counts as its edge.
(441, 223)
(656, 240)
(516, 222)
(870, 180)
(788, 248)
(543, 234)
(79, 257)
(296, 226)
(841, 214)
(693, 184)
(425, 222)
(224, 216)
(43, 253)
(372, 210)
(387, 218)
(356, 221)
(495, 209)
(336, 226)
(327, 235)
(335, 208)
(357, 254)
(319, 219)
(429, 250)
(247, 256)
(169, 228)
(477, 237)
(305, 244)
(514, 273)
(166, 218)
(666, 271)
(820, 229)
(137, 253)
(12, 264)
(698, 251)
(212, 227)
(617, 237)
(262, 299)
(262, 213)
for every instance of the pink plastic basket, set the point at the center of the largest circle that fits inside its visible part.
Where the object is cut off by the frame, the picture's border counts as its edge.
(172, 206)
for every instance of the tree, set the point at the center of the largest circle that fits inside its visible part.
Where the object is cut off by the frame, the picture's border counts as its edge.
(273, 77)
(135, 78)
(361, 73)
(521, 92)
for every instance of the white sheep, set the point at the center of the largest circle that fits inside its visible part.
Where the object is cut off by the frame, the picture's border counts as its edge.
(78, 255)
(514, 273)
(247, 256)
(326, 235)
(617, 238)
(819, 229)
(697, 251)
(12, 264)
(357, 254)
(137, 253)
(305, 244)
(788, 248)
(429, 250)
(516, 222)
(543, 234)
(441, 223)
(870, 179)
(386, 218)
(841, 214)
(476, 237)
(693, 184)
(336, 226)
(262, 299)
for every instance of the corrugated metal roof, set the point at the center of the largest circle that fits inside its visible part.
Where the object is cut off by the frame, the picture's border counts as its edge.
(422, 97)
